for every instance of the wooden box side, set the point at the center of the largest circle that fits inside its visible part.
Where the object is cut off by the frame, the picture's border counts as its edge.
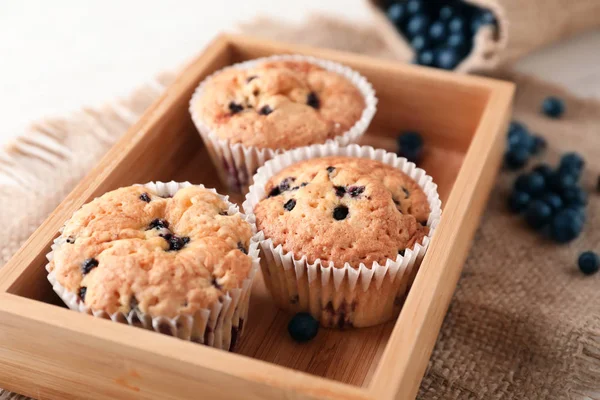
(429, 298)
(122, 164)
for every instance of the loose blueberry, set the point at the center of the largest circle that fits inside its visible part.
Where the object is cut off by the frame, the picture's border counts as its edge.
(566, 226)
(533, 183)
(488, 17)
(572, 162)
(447, 58)
(543, 169)
(559, 182)
(265, 110)
(538, 214)
(145, 197)
(235, 108)
(574, 197)
(456, 24)
(417, 25)
(426, 57)
(553, 107)
(313, 100)
(516, 158)
(396, 13)
(518, 136)
(88, 265)
(446, 12)
(437, 30)
(410, 145)
(589, 262)
(553, 200)
(456, 40)
(518, 201)
(340, 212)
(419, 43)
(539, 145)
(414, 6)
(290, 204)
(476, 24)
(303, 327)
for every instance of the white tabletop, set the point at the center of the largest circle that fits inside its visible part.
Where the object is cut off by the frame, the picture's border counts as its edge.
(56, 56)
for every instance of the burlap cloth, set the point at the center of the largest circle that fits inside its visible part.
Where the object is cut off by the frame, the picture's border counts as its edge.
(524, 322)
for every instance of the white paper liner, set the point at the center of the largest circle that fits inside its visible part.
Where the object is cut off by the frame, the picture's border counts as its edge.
(346, 296)
(237, 163)
(220, 326)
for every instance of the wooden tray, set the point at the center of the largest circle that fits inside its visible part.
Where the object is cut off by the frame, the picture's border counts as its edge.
(50, 352)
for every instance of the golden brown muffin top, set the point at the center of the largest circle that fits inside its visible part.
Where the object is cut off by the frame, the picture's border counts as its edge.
(279, 105)
(131, 249)
(343, 209)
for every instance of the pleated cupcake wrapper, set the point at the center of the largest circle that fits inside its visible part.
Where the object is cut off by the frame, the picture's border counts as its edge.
(334, 295)
(237, 163)
(219, 326)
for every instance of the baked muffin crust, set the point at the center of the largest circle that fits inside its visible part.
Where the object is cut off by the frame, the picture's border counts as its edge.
(131, 249)
(279, 105)
(344, 210)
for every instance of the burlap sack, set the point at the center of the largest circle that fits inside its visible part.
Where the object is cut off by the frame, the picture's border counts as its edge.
(523, 26)
(524, 322)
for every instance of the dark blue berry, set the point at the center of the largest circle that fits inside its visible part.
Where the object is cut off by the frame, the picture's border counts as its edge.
(437, 30)
(539, 145)
(303, 327)
(447, 58)
(476, 23)
(419, 43)
(538, 214)
(235, 108)
(313, 100)
(532, 183)
(340, 191)
(88, 265)
(415, 6)
(355, 191)
(265, 110)
(82, 292)
(410, 145)
(516, 158)
(553, 107)
(145, 197)
(275, 192)
(456, 40)
(487, 17)
(518, 136)
(330, 169)
(340, 212)
(446, 12)
(589, 262)
(572, 162)
(544, 169)
(290, 204)
(561, 181)
(553, 200)
(396, 13)
(158, 223)
(574, 197)
(242, 248)
(456, 24)
(417, 24)
(425, 57)
(518, 201)
(566, 225)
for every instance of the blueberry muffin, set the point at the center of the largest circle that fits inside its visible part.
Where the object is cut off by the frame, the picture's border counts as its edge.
(148, 256)
(277, 105)
(355, 228)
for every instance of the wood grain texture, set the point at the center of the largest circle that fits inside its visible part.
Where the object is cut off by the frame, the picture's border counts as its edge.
(462, 119)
